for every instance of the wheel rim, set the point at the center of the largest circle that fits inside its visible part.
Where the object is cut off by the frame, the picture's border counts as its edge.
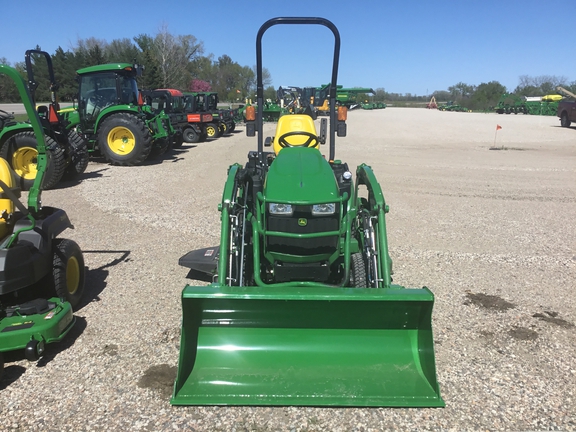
(24, 162)
(121, 140)
(210, 131)
(72, 275)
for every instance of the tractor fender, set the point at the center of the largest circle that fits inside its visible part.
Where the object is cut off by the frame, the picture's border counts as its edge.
(52, 222)
(10, 131)
(106, 112)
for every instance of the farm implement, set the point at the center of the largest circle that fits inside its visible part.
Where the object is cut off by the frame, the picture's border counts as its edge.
(300, 308)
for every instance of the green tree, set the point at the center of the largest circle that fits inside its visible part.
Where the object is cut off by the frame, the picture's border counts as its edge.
(486, 95)
(123, 51)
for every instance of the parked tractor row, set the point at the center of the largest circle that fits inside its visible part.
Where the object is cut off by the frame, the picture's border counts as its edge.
(111, 117)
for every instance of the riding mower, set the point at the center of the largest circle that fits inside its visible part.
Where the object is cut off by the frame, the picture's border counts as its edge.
(41, 276)
(300, 308)
(67, 151)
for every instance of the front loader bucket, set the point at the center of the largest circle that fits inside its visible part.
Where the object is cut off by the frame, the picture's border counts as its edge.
(314, 346)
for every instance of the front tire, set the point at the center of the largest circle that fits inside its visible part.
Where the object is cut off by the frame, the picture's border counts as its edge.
(564, 120)
(21, 152)
(124, 139)
(358, 271)
(68, 272)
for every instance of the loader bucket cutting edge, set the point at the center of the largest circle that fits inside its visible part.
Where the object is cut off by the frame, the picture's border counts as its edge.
(314, 346)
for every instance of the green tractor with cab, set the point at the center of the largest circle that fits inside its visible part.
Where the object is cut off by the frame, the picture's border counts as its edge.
(300, 308)
(112, 117)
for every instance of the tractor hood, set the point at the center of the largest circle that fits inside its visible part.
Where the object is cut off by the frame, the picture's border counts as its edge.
(300, 175)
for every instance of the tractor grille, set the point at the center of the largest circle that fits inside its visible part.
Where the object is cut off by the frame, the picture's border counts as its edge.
(295, 225)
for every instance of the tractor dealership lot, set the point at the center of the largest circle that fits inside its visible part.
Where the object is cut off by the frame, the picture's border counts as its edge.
(485, 218)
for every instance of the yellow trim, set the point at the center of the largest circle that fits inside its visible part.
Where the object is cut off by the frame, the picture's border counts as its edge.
(294, 123)
(72, 275)
(25, 162)
(121, 140)
(6, 204)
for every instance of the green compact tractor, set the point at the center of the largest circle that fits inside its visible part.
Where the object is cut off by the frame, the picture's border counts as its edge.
(171, 101)
(195, 106)
(111, 116)
(300, 308)
(41, 275)
(66, 150)
(225, 117)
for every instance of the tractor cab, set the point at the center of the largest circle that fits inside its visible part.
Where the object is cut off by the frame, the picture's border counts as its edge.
(104, 86)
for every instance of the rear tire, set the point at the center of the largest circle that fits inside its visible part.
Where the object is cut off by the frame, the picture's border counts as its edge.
(190, 136)
(564, 120)
(21, 152)
(79, 155)
(68, 271)
(124, 139)
(358, 271)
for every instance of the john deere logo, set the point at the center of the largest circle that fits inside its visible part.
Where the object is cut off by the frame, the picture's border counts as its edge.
(302, 222)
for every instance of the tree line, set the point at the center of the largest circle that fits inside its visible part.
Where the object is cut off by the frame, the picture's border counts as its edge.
(169, 62)
(179, 61)
(485, 95)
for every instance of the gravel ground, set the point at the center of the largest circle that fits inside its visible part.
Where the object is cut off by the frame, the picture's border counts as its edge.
(490, 232)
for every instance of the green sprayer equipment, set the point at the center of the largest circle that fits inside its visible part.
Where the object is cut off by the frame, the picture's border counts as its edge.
(300, 308)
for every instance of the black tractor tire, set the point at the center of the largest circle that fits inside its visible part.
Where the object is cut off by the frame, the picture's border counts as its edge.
(21, 152)
(564, 120)
(79, 156)
(231, 126)
(222, 129)
(124, 139)
(160, 146)
(68, 272)
(358, 271)
(191, 136)
(211, 130)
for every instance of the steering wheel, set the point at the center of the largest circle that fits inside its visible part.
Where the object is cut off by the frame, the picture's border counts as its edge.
(97, 100)
(311, 139)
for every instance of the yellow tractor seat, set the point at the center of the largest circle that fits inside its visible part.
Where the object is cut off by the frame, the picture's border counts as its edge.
(6, 204)
(295, 130)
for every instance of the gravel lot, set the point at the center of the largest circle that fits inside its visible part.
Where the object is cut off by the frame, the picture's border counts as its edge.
(490, 232)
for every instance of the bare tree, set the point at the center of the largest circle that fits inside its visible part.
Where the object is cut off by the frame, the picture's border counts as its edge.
(173, 55)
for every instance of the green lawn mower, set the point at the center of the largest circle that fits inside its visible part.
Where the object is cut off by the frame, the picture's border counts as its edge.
(41, 275)
(300, 308)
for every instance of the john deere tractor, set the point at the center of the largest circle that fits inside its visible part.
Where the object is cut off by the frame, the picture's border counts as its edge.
(171, 102)
(300, 308)
(66, 149)
(111, 117)
(41, 275)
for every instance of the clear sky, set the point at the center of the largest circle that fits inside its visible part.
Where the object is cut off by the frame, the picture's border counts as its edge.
(403, 46)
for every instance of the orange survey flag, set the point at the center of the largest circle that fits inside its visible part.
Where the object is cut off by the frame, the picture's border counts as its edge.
(498, 127)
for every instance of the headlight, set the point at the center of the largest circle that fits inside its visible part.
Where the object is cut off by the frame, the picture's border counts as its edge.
(281, 209)
(323, 209)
